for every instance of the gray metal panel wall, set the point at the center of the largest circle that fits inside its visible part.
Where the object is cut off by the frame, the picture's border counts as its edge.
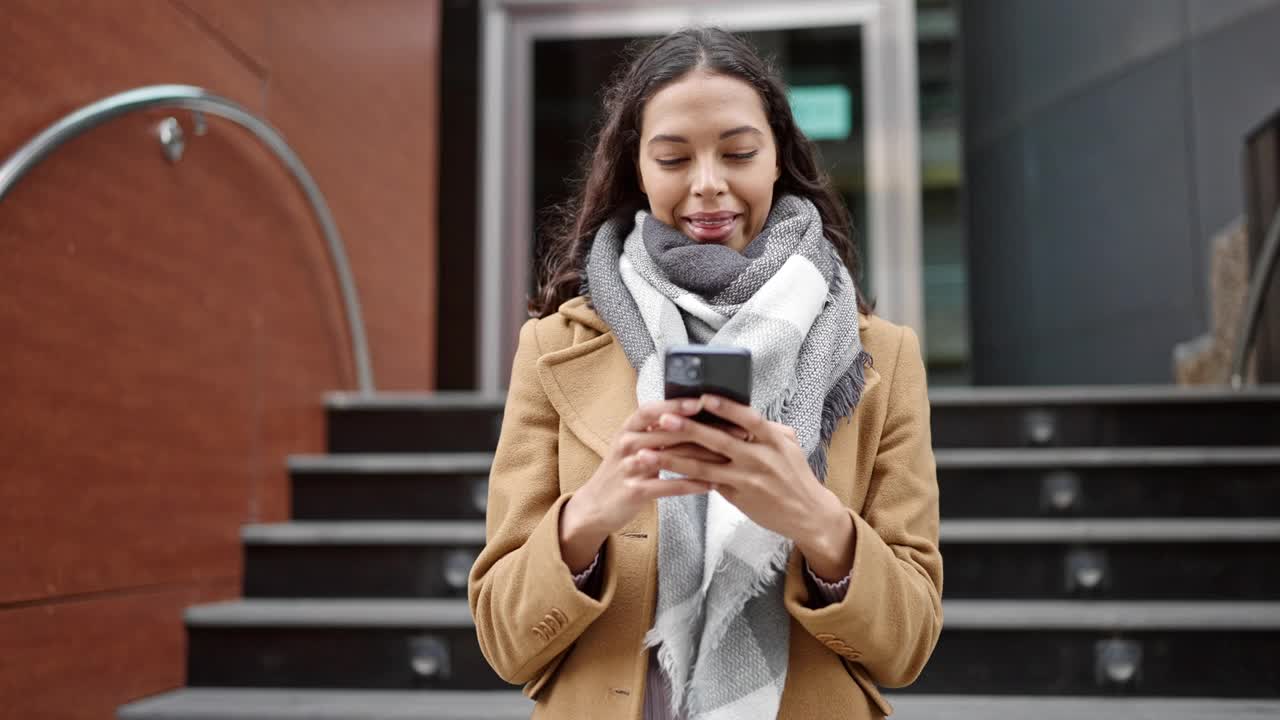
(1103, 145)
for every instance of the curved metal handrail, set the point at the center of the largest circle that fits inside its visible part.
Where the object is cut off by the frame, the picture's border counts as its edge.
(1253, 305)
(200, 100)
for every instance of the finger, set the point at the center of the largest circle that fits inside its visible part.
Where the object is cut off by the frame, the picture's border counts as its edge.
(710, 473)
(696, 452)
(744, 416)
(633, 442)
(653, 488)
(644, 464)
(711, 438)
(786, 431)
(648, 414)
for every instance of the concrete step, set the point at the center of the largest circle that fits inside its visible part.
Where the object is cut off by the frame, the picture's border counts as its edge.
(1002, 482)
(349, 643)
(419, 486)
(324, 559)
(1105, 416)
(1030, 559)
(1112, 416)
(1132, 559)
(413, 422)
(987, 647)
(293, 704)
(298, 704)
(1110, 482)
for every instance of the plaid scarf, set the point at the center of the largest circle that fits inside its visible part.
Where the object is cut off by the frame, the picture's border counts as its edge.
(721, 631)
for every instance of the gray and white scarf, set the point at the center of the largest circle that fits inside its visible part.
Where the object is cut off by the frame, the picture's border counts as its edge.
(721, 630)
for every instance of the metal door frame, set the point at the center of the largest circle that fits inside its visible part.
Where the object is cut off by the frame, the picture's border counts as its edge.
(508, 32)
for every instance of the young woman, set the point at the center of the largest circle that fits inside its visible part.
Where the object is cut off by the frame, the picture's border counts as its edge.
(643, 565)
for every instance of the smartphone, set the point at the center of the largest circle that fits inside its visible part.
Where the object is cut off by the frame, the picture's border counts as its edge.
(690, 371)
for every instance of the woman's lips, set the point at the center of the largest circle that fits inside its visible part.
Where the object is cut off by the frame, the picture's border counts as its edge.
(711, 227)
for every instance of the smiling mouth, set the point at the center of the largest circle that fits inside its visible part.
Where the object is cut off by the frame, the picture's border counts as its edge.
(711, 227)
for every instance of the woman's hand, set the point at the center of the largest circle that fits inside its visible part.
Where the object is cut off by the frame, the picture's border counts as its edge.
(626, 481)
(767, 476)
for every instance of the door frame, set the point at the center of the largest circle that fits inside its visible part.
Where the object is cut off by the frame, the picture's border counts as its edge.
(509, 29)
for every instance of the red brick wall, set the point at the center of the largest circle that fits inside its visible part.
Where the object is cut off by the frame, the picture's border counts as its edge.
(169, 330)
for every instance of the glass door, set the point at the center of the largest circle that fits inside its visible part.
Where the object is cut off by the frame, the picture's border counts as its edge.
(822, 66)
(850, 67)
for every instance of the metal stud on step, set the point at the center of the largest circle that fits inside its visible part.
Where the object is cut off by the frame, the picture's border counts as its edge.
(457, 566)
(429, 657)
(1086, 570)
(1040, 427)
(1117, 661)
(1060, 491)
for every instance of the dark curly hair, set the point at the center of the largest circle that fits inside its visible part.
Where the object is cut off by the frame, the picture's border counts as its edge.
(608, 187)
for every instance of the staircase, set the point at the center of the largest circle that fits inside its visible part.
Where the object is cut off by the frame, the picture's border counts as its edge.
(1108, 552)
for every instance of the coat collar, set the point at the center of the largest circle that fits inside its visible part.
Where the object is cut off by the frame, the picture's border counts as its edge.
(592, 385)
(580, 311)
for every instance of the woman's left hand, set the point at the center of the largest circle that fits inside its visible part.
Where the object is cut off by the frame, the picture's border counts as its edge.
(767, 477)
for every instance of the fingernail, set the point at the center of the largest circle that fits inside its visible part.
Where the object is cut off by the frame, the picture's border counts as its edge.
(670, 422)
(689, 405)
(711, 401)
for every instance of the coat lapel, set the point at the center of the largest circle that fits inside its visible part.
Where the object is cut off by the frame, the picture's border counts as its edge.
(591, 384)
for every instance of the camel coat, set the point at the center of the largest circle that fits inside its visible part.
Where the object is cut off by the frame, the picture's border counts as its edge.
(582, 657)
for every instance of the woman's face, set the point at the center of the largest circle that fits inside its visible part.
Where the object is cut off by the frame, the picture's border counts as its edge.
(708, 160)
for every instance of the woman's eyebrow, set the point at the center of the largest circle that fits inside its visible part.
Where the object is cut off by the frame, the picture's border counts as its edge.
(739, 130)
(726, 134)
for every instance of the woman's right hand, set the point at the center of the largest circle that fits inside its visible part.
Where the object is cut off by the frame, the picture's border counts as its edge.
(625, 482)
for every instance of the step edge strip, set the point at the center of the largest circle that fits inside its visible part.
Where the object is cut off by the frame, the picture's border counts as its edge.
(1090, 457)
(971, 531)
(374, 532)
(1111, 530)
(941, 397)
(368, 463)
(958, 615)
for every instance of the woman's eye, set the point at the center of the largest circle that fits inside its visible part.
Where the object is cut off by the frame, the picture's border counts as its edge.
(670, 162)
(742, 155)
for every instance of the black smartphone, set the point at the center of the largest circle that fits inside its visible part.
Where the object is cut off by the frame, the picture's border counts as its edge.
(690, 371)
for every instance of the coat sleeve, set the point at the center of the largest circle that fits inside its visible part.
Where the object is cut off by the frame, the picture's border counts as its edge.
(889, 621)
(526, 608)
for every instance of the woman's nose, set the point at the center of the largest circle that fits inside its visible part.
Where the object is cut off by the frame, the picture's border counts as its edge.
(708, 180)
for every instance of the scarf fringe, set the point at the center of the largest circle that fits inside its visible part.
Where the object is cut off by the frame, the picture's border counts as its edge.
(840, 402)
(679, 696)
